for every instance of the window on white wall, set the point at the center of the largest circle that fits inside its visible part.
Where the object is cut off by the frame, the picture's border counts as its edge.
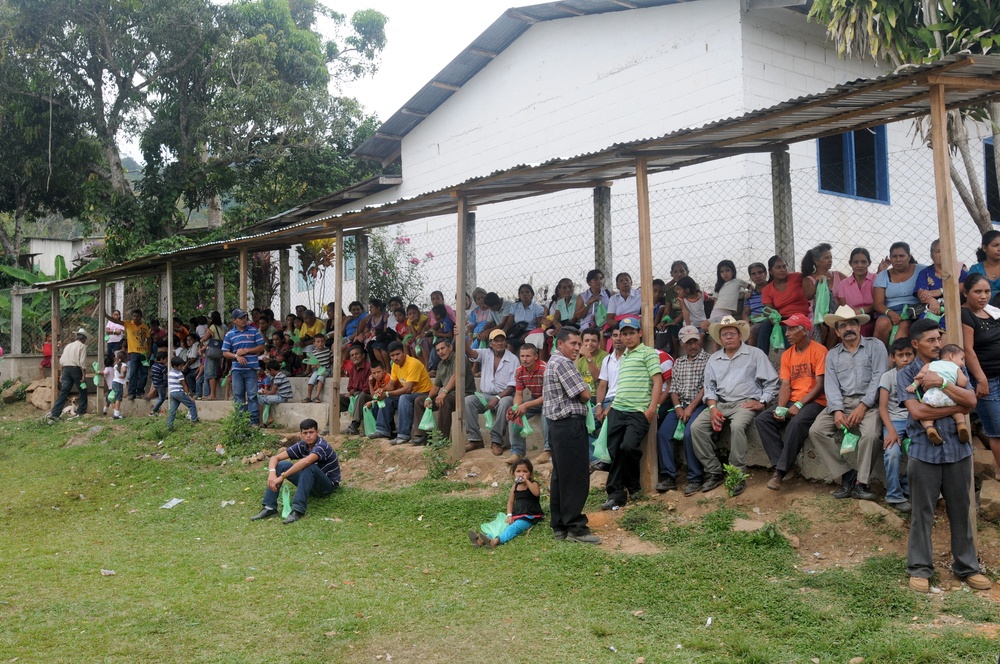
(992, 191)
(855, 164)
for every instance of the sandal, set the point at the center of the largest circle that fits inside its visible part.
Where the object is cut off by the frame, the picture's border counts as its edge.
(934, 436)
(307, 400)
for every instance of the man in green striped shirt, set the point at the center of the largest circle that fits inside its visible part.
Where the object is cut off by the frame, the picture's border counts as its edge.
(631, 413)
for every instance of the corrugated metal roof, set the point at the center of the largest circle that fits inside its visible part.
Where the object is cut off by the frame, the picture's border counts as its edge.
(384, 145)
(856, 105)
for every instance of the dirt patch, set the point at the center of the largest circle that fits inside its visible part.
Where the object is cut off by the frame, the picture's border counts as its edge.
(375, 464)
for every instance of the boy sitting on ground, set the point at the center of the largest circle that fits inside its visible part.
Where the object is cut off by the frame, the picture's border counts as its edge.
(315, 472)
(950, 367)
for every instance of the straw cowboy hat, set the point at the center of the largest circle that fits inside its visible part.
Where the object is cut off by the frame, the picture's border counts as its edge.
(728, 321)
(844, 312)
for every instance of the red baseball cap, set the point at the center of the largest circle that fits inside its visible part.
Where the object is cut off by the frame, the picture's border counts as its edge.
(795, 320)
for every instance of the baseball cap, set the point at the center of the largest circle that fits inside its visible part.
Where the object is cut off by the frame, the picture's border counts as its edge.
(239, 313)
(795, 320)
(497, 333)
(629, 321)
(688, 332)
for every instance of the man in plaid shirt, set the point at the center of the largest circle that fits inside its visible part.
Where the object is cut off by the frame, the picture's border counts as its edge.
(527, 379)
(564, 406)
(687, 391)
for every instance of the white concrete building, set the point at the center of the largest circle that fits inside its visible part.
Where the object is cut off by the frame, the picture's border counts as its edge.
(561, 79)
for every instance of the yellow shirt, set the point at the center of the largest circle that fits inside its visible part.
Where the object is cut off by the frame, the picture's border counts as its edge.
(412, 371)
(318, 327)
(137, 337)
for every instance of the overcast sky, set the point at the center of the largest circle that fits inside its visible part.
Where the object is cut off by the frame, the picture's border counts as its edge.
(422, 38)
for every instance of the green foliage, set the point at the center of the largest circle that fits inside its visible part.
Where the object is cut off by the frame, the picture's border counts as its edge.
(238, 436)
(734, 476)
(794, 523)
(969, 607)
(437, 452)
(394, 268)
(352, 447)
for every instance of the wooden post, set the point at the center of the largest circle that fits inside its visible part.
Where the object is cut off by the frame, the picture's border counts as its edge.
(16, 321)
(362, 276)
(648, 470)
(56, 350)
(220, 290)
(458, 421)
(781, 203)
(102, 304)
(471, 278)
(949, 252)
(945, 213)
(243, 279)
(168, 278)
(284, 286)
(602, 231)
(338, 325)
(162, 306)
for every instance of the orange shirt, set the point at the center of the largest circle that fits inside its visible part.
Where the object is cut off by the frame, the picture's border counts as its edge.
(803, 369)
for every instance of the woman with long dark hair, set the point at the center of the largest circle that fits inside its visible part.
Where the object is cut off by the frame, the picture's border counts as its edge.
(981, 334)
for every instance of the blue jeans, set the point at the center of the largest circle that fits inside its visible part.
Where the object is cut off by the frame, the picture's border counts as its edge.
(310, 481)
(404, 403)
(137, 374)
(161, 396)
(245, 392)
(896, 487)
(665, 447)
(177, 398)
(515, 529)
(518, 445)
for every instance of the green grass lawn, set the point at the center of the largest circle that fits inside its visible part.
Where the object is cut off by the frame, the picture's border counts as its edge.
(371, 573)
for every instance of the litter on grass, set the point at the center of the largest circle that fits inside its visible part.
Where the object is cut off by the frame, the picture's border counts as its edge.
(107, 572)
(228, 502)
(172, 503)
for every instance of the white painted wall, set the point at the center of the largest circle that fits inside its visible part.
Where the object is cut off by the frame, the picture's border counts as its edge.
(48, 248)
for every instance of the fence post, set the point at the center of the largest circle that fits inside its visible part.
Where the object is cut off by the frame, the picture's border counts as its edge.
(243, 279)
(16, 320)
(164, 306)
(99, 327)
(56, 351)
(469, 247)
(648, 470)
(602, 230)
(781, 200)
(338, 323)
(362, 276)
(120, 299)
(220, 289)
(457, 432)
(284, 287)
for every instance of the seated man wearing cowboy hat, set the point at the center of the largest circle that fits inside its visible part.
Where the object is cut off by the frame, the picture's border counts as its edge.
(739, 381)
(853, 369)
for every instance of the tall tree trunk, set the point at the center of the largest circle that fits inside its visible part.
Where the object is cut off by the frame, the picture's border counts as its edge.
(119, 184)
(973, 197)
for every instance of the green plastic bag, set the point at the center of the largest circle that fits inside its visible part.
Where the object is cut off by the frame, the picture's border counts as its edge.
(267, 412)
(526, 429)
(370, 424)
(427, 422)
(488, 416)
(96, 368)
(286, 499)
(821, 304)
(777, 338)
(906, 446)
(591, 424)
(83, 386)
(601, 446)
(112, 396)
(97, 380)
(679, 430)
(496, 526)
(352, 403)
(225, 379)
(600, 314)
(850, 441)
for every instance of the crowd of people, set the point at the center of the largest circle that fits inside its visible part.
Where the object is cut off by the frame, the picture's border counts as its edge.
(862, 369)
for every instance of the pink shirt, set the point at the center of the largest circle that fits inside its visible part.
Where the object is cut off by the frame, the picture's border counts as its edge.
(857, 296)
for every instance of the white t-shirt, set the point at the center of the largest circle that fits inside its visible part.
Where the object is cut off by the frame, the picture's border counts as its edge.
(609, 372)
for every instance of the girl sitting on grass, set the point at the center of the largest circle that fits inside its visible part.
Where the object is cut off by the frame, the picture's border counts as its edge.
(523, 507)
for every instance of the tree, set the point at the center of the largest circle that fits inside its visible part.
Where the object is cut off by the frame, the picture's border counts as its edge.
(394, 268)
(910, 32)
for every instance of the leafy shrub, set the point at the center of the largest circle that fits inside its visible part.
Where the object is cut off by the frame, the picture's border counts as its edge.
(437, 451)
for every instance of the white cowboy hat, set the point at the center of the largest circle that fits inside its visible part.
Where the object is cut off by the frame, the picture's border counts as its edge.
(844, 312)
(82, 332)
(728, 321)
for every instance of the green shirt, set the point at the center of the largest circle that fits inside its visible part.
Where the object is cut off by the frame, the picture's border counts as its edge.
(584, 369)
(635, 379)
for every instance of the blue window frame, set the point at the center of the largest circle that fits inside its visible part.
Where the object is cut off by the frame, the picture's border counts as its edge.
(992, 191)
(855, 164)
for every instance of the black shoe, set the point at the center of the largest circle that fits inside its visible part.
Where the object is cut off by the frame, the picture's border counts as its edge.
(265, 513)
(559, 534)
(712, 481)
(846, 485)
(862, 492)
(739, 488)
(611, 504)
(353, 430)
(692, 488)
(666, 483)
(293, 517)
(601, 466)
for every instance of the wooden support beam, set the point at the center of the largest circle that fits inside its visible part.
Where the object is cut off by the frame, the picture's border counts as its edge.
(56, 346)
(458, 420)
(220, 289)
(169, 278)
(338, 326)
(243, 279)
(648, 469)
(445, 86)
(964, 83)
(781, 204)
(101, 324)
(284, 284)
